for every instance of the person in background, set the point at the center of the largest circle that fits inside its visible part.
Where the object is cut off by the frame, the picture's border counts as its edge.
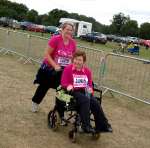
(58, 55)
(130, 46)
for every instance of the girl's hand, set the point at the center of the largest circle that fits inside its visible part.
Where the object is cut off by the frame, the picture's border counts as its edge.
(90, 90)
(69, 88)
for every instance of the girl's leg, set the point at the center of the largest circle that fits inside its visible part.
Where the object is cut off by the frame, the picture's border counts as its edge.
(101, 122)
(83, 104)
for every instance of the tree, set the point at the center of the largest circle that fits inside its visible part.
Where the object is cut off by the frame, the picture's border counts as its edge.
(118, 21)
(144, 31)
(21, 10)
(105, 29)
(97, 26)
(113, 29)
(43, 19)
(12, 10)
(32, 16)
(8, 13)
(55, 15)
(74, 16)
(130, 28)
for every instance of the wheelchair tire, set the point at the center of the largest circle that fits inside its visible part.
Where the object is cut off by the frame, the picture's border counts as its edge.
(72, 136)
(53, 120)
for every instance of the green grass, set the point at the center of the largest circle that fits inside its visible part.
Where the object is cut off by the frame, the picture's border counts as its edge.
(46, 35)
(108, 47)
(113, 77)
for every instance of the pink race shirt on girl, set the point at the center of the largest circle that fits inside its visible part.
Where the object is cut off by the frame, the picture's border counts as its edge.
(62, 53)
(79, 79)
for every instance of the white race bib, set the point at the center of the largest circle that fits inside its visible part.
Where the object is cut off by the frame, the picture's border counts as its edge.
(80, 81)
(63, 61)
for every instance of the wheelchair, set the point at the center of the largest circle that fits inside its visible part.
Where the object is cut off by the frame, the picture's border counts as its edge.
(72, 111)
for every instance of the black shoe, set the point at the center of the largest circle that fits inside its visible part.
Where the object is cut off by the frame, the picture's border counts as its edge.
(88, 130)
(107, 129)
(63, 122)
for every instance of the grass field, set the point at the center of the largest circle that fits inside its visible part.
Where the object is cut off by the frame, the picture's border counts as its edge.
(108, 47)
(20, 128)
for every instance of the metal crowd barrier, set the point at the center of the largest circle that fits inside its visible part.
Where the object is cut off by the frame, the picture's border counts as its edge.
(129, 76)
(93, 61)
(122, 74)
(29, 47)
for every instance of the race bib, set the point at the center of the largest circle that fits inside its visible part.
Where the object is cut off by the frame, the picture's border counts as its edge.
(63, 61)
(80, 81)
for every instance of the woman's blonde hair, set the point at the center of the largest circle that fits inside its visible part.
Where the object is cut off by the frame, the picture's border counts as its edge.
(63, 26)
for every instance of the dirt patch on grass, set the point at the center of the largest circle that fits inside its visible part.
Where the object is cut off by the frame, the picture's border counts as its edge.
(20, 128)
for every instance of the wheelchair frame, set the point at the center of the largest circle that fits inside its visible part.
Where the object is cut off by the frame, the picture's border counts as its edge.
(54, 119)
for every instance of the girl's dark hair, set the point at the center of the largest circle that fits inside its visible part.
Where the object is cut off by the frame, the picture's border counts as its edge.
(80, 53)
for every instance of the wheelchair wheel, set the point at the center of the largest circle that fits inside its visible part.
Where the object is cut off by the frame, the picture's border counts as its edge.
(53, 120)
(72, 136)
(96, 136)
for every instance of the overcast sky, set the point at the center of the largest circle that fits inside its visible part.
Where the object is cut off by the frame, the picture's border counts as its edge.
(101, 10)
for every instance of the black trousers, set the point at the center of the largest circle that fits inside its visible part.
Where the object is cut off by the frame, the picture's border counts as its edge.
(101, 122)
(46, 78)
(83, 104)
(86, 105)
(40, 93)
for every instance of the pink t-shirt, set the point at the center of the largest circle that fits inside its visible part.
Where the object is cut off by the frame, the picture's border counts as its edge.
(61, 54)
(79, 79)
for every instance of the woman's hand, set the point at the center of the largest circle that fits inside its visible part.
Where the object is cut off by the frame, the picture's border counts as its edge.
(51, 61)
(57, 68)
(69, 88)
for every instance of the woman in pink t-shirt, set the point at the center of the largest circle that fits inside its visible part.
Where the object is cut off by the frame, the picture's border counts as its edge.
(77, 78)
(58, 55)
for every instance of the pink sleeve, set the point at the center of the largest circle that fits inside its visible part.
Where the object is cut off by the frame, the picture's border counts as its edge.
(89, 75)
(66, 78)
(52, 43)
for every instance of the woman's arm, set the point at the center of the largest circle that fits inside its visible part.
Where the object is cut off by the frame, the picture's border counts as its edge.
(66, 78)
(48, 53)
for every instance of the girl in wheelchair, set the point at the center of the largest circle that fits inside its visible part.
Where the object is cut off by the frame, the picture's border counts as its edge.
(77, 79)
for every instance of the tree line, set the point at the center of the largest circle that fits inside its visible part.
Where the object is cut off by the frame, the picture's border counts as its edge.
(120, 24)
